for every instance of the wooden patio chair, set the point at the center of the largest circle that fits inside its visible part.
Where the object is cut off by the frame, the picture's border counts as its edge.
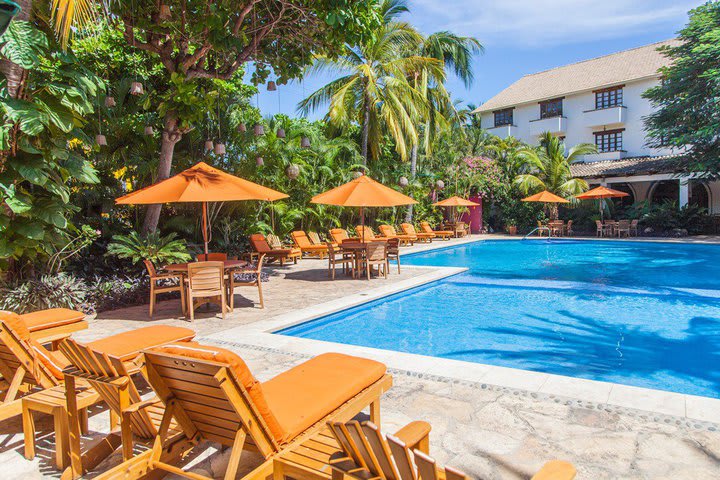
(338, 235)
(376, 255)
(444, 234)
(158, 288)
(365, 233)
(257, 282)
(623, 228)
(306, 247)
(392, 252)
(206, 284)
(388, 231)
(409, 229)
(139, 419)
(50, 325)
(634, 227)
(568, 228)
(214, 397)
(338, 257)
(599, 229)
(260, 245)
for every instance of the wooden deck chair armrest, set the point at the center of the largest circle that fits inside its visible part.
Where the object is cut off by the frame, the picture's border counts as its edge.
(135, 407)
(415, 435)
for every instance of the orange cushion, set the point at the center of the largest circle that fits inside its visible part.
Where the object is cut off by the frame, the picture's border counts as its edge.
(238, 366)
(16, 324)
(54, 361)
(127, 345)
(53, 317)
(303, 395)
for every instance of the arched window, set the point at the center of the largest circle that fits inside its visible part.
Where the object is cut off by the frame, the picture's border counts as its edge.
(665, 190)
(623, 202)
(699, 195)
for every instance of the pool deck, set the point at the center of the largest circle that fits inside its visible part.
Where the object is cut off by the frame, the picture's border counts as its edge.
(492, 422)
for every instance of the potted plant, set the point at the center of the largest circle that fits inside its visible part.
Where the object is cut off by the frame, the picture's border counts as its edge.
(511, 226)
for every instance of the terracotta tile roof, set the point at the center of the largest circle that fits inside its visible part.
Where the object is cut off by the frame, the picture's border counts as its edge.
(628, 167)
(606, 71)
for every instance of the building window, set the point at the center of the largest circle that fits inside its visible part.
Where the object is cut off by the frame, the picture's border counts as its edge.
(551, 108)
(504, 117)
(609, 141)
(608, 98)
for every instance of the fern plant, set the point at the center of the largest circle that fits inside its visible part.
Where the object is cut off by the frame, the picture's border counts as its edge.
(160, 250)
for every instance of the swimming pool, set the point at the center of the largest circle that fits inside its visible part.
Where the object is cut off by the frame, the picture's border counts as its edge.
(637, 313)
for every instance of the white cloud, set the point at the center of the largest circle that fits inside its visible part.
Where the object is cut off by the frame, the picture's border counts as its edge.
(530, 23)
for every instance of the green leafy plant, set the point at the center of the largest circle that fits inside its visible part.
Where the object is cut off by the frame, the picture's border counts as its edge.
(160, 250)
(48, 291)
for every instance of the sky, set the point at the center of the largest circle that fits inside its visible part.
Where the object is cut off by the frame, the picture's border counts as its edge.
(521, 37)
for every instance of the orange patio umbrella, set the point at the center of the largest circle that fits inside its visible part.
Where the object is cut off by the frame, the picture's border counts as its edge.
(545, 197)
(201, 183)
(363, 192)
(601, 193)
(454, 202)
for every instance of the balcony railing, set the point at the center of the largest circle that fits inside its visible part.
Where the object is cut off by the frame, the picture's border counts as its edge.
(554, 125)
(605, 116)
(504, 131)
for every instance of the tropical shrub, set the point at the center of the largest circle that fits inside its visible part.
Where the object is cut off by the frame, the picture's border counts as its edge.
(160, 250)
(665, 217)
(47, 291)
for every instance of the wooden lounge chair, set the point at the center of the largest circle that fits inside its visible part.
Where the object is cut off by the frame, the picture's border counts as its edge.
(306, 247)
(214, 397)
(444, 234)
(158, 288)
(409, 229)
(232, 282)
(260, 246)
(365, 233)
(50, 325)
(315, 238)
(139, 419)
(274, 241)
(388, 231)
(338, 235)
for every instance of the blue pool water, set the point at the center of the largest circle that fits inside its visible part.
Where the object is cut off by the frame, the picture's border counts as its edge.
(644, 314)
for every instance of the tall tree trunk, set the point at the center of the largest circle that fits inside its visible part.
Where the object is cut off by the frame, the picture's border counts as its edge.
(170, 136)
(413, 173)
(365, 131)
(15, 73)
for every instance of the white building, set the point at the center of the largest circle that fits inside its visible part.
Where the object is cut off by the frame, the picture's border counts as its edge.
(600, 101)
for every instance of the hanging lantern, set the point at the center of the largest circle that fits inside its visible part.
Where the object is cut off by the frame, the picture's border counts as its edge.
(208, 145)
(219, 149)
(272, 86)
(305, 142)
(149, 130)
(164, 13)
(136, 88)
(258, 129)
(109, 101)
(403, 182)
(242, 128)
(357, 174)
(100, 140)
(259, 161)
(280, 133)
(292, 171)
(440, 184)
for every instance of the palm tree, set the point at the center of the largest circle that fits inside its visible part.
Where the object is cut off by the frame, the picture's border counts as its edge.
(548, 168)
(373, 89)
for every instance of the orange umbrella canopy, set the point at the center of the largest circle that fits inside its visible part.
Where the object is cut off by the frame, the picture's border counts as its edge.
(545, 197)
(363, 192)
(600, 193)
(201, 183)
(456, 202)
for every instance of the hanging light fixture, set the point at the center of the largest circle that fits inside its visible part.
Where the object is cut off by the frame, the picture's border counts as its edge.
(440, 184)
(219, 149)
(136, 88)
(100, 140)
(208, 145)
(305, 142)
(149, 130)
(109, 101)
(271, 86)
(242, 128)
(357, 174)
(259, 161)
(292, 171)
(259, 129)
(164, 13)
(403, 182)
(280, 133)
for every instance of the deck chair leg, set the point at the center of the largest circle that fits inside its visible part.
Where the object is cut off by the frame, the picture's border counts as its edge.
(15, 384)
(260, 294)
(73, 428)
(152, 297)
(235, 454)
(191, 306)
(375, 412)
(29, 432)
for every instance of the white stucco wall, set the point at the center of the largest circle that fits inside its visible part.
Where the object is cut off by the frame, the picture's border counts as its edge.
(574, 110)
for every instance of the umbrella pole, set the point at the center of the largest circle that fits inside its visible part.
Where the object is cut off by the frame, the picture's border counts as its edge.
(362, 222)
(205, 225)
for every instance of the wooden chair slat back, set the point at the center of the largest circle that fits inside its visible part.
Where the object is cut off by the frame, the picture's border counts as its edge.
(357, 436)
(426, 466)
(206, 278)
(341, 434)
(15, 352)
(380, 448)
(314, 238)
(375, 252)
(274, 241)
(209, 400)
(150, 268)
(403, 458)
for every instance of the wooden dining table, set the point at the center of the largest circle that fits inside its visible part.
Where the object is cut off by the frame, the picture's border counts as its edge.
(227, 265)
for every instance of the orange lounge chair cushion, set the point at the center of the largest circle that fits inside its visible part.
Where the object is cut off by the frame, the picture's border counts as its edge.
(53, 317)
(127, 345)
(54, 361)
(238, 366)
(303, 395)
